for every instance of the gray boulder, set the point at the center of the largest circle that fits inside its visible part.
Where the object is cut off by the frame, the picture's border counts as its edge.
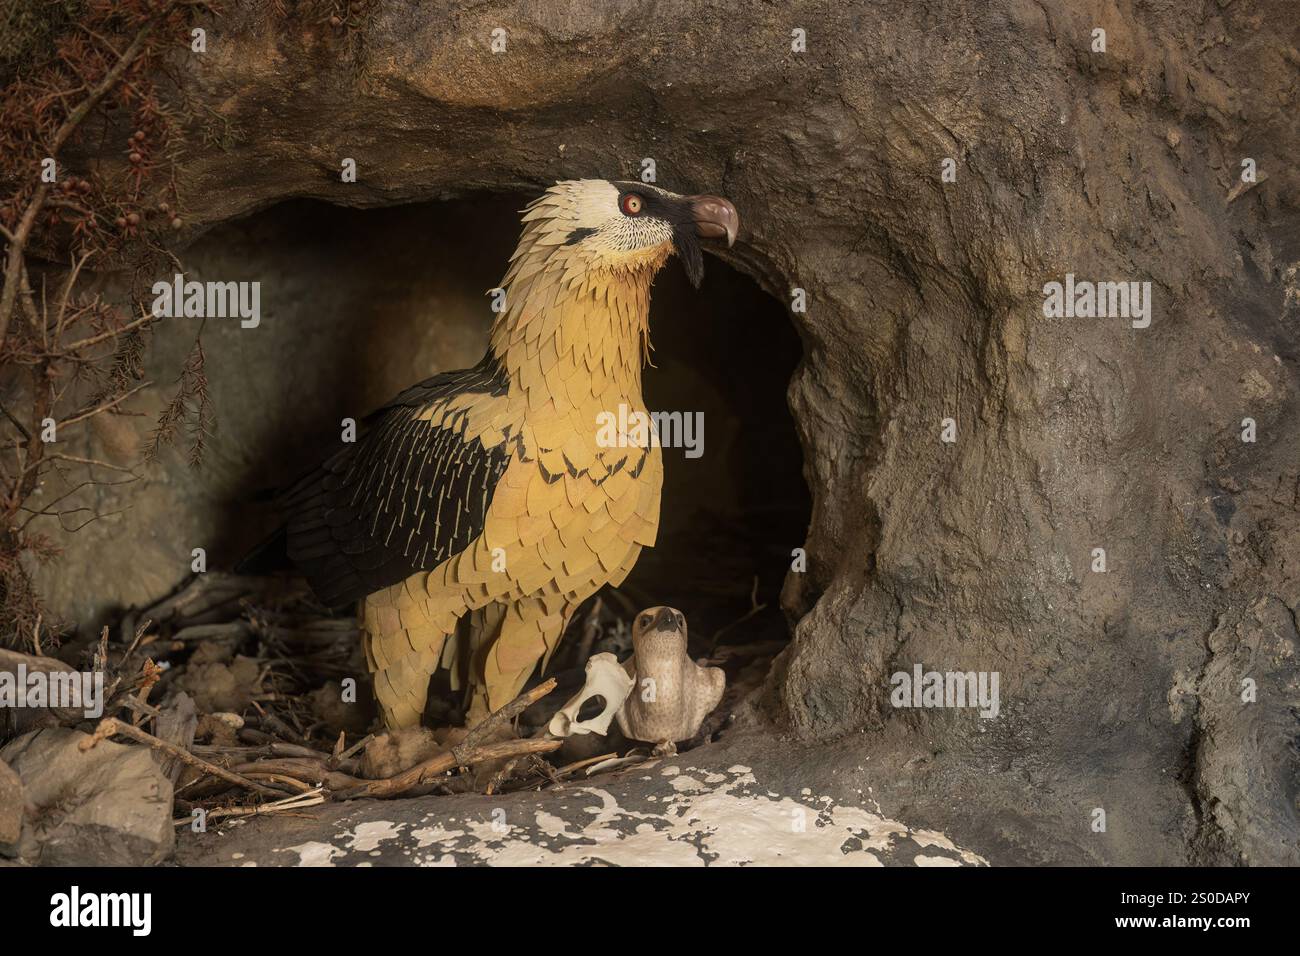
(107, 806)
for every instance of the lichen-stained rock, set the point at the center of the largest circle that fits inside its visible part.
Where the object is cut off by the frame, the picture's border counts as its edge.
(106, 806)
(924, 316)
(672, 812)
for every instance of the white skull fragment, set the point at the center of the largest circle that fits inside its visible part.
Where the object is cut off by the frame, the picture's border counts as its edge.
(607, 680)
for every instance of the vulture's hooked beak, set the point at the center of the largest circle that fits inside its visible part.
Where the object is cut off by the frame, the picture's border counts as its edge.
(702, 217)
(715, 218)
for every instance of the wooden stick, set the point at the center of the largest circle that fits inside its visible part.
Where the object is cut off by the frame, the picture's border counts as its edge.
(292, 784)
(295, 801)
(314, 772)
(579, 764)
(111, 725)
(275, 749)
(436, 766)
(470, 751)
(346, 756)
(495, 720)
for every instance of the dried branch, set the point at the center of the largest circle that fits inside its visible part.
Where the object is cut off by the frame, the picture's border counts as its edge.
(437, 766)
(111, 726)
(18, 244)
(297, 801)
(105, 56)
(471, 751)
(497, 720)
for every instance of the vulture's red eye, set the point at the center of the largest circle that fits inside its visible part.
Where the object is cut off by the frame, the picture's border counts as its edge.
(631, 205)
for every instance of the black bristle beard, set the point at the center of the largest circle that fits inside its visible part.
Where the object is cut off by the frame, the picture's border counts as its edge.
(687, 242)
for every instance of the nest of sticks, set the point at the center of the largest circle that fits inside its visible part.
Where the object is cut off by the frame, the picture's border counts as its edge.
(236, 681)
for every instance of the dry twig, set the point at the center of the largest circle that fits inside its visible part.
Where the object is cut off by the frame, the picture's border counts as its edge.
(111, 726)
(471, 751)
(297, 801)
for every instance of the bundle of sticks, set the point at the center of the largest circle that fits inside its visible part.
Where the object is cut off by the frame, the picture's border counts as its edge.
(273, 758)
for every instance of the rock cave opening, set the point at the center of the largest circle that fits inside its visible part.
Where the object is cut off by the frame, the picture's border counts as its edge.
(359, 304)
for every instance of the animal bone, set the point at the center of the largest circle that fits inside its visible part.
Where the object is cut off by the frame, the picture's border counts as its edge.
(674, 694)
(606, 679)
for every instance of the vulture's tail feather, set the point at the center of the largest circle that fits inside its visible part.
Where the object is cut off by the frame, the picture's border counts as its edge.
(268, 557)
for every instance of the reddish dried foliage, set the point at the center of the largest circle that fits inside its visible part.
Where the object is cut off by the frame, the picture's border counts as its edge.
(65, 356)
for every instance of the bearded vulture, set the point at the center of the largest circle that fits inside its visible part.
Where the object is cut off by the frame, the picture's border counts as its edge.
(489, 494)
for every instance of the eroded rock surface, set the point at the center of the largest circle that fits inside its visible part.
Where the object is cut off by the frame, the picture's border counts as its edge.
(691, 810)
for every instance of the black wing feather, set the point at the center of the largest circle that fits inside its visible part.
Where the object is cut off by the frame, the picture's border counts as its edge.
(407, 495)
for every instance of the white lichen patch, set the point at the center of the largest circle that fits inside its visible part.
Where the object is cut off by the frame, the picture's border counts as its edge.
(927, 838)
(705, 819)
(368, 836)
(364, 838)
(315, 853)
(687, 783)
(434, 835)
(553, 826)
